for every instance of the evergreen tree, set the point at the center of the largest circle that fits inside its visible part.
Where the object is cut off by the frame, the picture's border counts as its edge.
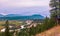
(45, 23)
(55, 11)
(7, 29)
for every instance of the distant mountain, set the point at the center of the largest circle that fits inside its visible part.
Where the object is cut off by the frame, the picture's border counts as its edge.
(19, 17)
(37, 16)
(1, 15)
(12, 15)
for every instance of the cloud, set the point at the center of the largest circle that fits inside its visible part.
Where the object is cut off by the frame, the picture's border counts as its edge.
(3, 13)
(27, 11)
(26, 7)
(23, 3)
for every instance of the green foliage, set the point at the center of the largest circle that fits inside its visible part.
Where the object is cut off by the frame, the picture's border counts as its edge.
(51, 23)
(55, 11)
(2, 34)
(7, 33)
(7, 29)
(47, 24)
(32, 31)
(23, 33)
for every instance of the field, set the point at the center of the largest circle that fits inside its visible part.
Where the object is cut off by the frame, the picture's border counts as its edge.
(10, 22)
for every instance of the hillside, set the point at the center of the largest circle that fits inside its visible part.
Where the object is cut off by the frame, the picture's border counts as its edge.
(19, 17)
(55, 31)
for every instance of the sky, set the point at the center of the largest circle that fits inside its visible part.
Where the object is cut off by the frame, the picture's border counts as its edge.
(25, 7)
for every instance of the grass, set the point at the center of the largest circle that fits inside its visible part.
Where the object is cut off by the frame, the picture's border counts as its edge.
(55, 31)
(1, 27)
(17, 23)
(12, 22)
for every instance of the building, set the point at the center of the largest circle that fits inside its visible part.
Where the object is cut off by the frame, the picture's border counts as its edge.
(28, 22)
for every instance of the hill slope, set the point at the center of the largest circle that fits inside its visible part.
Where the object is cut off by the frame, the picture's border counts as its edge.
(55, 31)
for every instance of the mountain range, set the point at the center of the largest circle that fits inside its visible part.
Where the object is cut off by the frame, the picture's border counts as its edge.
(20, 17)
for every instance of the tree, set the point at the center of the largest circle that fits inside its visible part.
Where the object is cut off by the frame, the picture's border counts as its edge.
(7, 29)
(46, 22)
(55, 11)
(23, 32)
(51, 23)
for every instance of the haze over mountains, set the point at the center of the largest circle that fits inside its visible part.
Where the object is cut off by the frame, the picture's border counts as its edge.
(20, 17)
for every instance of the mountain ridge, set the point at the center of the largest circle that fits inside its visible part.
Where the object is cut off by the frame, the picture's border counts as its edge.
(20, 17)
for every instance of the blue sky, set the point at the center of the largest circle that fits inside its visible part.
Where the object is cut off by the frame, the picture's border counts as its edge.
(25, 7)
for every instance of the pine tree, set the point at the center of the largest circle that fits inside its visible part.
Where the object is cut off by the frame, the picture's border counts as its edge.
(55, 11)
(45, 23)
(7, 29)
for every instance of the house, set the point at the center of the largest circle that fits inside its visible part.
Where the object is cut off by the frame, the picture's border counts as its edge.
(30, 25)
(2, 30)
(29, 21)
(21, 26)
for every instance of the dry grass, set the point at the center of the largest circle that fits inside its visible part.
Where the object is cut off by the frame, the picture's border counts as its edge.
(12, 22)
(1, 27)
(2, 22)
(55, 31)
